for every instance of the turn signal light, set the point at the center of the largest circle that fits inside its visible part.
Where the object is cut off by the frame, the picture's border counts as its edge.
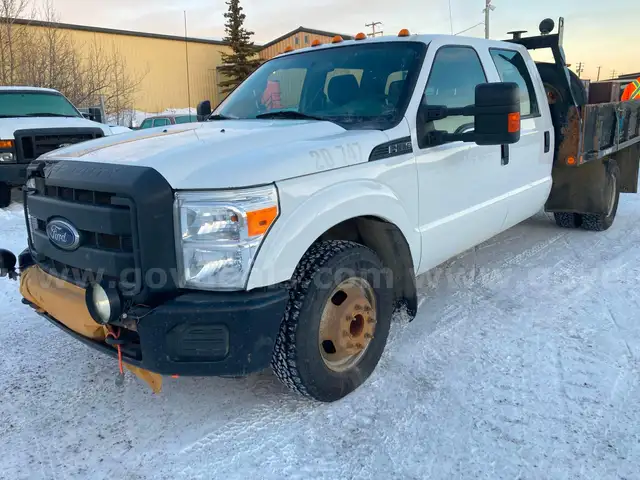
(361, 36)
(259, 221)
(288, 49)
(6, 144)
(404, 33)
(315, 43)
(337, 39)
(571, 161)
(514, 122)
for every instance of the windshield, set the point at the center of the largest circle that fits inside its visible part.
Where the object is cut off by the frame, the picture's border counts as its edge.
(35, 104)
(356, 86)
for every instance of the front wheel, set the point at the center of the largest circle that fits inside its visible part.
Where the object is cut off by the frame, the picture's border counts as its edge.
(336, 322)
(5, 195)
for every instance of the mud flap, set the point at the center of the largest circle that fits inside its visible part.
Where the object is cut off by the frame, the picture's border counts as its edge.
(66, 303)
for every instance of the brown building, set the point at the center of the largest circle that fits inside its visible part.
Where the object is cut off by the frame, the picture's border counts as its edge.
(301, 37)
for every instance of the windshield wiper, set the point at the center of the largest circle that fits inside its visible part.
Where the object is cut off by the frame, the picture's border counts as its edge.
(49, 114)
(289, 115)
(219, 116)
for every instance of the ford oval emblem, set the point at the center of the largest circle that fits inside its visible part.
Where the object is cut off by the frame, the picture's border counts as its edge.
(63, 235)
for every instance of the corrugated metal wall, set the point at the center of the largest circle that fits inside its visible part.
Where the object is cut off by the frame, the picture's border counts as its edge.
(299, 40)
(162, 64)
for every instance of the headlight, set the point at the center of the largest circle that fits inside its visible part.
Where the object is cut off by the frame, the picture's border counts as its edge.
(7, 157)
(219, 233)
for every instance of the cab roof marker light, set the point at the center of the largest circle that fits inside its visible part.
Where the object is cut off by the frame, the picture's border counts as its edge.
(288, 49)
(337, 39)
(360, 36)
(315, 43)
(404, 33)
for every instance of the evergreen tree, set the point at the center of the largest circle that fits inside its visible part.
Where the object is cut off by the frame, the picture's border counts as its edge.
(239, 64)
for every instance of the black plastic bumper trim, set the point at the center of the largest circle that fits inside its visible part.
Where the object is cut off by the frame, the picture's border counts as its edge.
(13, 174)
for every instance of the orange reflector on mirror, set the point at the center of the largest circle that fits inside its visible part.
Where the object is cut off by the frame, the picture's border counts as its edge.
(514, 123)
(361, 36)
(404, 33)
(336, 39)
(259, 221)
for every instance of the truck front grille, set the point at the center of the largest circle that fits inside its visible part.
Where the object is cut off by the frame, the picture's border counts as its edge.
(31, 144)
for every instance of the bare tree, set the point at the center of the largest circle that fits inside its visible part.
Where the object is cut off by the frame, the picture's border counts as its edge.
(48, 56)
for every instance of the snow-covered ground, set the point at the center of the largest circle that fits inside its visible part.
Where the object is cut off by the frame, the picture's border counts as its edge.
(523, 362)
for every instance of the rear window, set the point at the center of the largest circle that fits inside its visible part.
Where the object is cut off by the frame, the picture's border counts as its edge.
(512, 68)
(186, 119)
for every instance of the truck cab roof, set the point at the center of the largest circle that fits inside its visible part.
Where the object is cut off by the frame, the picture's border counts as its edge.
(19, 88)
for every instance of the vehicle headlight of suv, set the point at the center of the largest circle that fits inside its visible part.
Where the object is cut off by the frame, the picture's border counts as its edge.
(7, 151)
(218, 234)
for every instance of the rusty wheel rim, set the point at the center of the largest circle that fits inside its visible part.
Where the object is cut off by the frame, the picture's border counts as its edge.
(347, 325)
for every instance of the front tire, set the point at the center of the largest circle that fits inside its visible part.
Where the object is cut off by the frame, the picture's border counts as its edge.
(5, 195)
(599, 222)
(336, 322)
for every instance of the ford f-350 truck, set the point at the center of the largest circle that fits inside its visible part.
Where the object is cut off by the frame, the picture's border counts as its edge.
(34, 121)
(286, 229)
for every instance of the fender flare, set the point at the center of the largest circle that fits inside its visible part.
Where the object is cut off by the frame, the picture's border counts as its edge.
(297, 229)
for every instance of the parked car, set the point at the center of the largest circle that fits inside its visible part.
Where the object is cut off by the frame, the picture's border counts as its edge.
(34, 121)
(287, 236)
(164, 120)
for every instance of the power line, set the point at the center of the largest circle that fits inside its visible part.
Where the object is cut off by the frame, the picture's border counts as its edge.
(467, 29)
(373, 26)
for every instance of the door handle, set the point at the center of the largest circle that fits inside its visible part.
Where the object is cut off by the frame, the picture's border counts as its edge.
(504, 154)
(547, 141)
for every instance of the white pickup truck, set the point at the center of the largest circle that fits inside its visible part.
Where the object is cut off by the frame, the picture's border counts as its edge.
(286, 229)
(34, 121)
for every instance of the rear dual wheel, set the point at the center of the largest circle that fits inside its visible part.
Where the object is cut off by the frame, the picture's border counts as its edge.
(596, 222)
(336, 322)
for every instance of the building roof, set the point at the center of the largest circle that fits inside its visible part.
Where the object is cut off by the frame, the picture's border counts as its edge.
(306, 30)
(629, 76)
(87, 28)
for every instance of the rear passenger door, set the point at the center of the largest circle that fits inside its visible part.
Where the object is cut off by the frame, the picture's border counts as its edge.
(529, 161)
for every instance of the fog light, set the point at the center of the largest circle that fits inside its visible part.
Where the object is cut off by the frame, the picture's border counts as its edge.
(104, 303)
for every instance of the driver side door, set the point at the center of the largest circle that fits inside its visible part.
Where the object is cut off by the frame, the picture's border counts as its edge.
(459, 183)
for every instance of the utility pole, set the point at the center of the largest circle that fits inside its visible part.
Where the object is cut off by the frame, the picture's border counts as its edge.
(613, 74)
(487, 10)
(599, 67)
(373, 26)
(579, 69)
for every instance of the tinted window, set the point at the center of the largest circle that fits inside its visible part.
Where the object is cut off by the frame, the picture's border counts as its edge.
(35, 104)
(348, 85)
(161, 122)
(452, 83)
(512, 68)
(186, 119)
(147, 123)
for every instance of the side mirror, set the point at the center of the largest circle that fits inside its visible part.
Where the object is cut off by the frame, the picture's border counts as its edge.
(203, 110)
(497, 114)
(87, 116)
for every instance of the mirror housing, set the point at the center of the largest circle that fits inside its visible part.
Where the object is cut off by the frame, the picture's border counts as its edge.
(497, 114)
(204, 110)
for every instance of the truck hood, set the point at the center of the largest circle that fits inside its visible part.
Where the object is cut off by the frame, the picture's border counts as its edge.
(9, 125)
(231, 153)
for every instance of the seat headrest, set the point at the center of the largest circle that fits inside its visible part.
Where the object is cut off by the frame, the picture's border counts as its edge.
(342, 89)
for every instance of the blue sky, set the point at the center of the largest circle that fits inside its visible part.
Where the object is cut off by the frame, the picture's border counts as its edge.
(597, 32)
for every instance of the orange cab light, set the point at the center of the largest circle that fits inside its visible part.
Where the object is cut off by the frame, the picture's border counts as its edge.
(514, 122)
(259, 221)
(6, 143)
(361, 36)
(288, 49)
(175, 376)
(571, 161)
(404, 33)
(337, 39)
(315, 43)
